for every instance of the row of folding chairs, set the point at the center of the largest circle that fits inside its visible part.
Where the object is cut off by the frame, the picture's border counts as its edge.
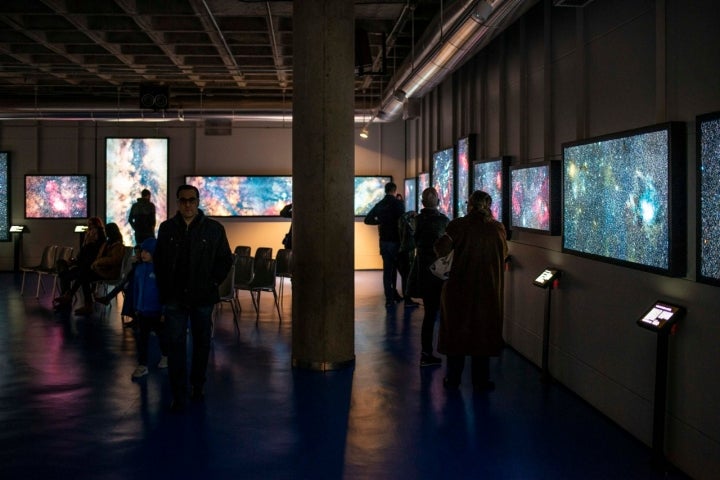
(47, 266)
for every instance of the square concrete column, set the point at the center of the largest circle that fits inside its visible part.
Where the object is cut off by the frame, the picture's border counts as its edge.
(323, 334)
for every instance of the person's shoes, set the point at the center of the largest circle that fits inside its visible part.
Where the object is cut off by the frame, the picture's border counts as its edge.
(429, 360)
(409, 303)
(140, 371)
(86, 310)
(197, 394)
(486, 386)
(450, 385)
(103, 300)
(177, 406)
(163, 362)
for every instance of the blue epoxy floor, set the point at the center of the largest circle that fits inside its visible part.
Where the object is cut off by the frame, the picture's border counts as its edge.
(69, 409)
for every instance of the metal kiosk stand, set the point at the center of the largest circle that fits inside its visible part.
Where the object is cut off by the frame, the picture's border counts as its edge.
(661, 318)
(548, 280)
(18, 230)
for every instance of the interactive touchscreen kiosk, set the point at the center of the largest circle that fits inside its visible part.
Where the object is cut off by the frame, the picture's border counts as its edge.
(661, 316)
(81, 228)
(546, 280)
(17, 228)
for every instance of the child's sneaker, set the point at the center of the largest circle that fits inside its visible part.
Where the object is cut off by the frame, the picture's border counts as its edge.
(140, 371)
(163, 362)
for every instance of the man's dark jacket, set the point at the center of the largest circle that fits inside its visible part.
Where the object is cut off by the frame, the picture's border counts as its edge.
(191, 260)
(385, 214)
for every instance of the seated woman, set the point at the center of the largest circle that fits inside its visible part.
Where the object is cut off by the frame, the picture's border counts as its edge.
(69, 272)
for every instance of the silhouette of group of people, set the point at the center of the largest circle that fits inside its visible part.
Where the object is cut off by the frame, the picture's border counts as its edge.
(470, 301)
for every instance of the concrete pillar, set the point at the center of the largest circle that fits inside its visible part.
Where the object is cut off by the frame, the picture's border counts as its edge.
(323, 334)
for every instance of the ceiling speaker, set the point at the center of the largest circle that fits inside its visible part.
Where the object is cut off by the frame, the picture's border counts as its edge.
(154, 96)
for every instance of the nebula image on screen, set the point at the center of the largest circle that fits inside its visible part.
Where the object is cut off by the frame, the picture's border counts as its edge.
(411, 195)
(443, 179)
(134, 164)
(709, 193)
(242, 196)
(488, 177)
(56, 196)
(616, 196)
(463, 176)
(369, 191)
(4, 197)
(530, 198)
(423, 182)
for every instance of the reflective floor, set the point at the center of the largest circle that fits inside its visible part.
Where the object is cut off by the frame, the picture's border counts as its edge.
(69, 409)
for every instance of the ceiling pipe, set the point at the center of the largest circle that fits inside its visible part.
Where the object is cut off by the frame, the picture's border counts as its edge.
(462, 30)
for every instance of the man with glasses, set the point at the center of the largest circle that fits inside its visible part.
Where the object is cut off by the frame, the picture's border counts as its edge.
(192, 258)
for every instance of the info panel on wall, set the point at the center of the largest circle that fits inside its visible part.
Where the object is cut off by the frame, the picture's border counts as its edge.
(708, 198)
(132, 165)
(624, 198)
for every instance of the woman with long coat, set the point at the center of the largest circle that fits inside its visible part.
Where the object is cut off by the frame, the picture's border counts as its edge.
(471, 315)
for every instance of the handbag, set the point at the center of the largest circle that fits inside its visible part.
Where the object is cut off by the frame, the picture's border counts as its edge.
(441, 267)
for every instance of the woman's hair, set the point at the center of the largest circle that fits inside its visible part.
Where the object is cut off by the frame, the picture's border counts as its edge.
(480, 201)
(430, 198)
(113, 233)
(95, 222)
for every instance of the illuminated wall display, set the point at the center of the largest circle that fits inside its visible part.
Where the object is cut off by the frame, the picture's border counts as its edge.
(465, 156)
(242, 196)
(56, 196)
(491, 176)
(534, 198)
(411, 198)
(708, 198)
(4, 196)
(443, 179)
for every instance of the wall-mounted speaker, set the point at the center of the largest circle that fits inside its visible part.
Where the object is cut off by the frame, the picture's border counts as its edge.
(154, 96)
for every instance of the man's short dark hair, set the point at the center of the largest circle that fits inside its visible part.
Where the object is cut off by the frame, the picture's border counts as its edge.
(145, 193)
(187, 187)
(390, 187)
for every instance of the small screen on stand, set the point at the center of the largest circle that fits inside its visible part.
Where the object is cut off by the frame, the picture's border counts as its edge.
(81, 228)
(546, 278)
(660, 316)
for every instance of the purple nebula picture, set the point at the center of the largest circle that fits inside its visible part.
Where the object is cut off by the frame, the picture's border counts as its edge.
(530, 198)
(443, 179)
(463, 176)
(423, 182)
(56, 196)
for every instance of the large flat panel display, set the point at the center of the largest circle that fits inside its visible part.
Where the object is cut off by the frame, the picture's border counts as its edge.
(491, 176)
(56, 196)
(465, 157)
(411, 199)
(708, 198)
(624, 198)
(423, 183)
(368, 191)
(4, 196)
(534, 198)
(242, 196)
(443, 179)
(133, 164)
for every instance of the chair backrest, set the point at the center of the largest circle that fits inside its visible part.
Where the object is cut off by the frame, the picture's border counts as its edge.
(64, 253)
(49, 257)
(264, 273)
(127, 260)
(244, 270)
(283, 267)
(263, 252)
(242, 251)
(227, 288)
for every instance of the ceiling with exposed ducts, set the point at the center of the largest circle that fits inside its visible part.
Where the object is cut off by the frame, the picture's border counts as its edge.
(95, 59)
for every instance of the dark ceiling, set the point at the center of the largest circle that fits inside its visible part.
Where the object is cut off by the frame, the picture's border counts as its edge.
(95, 55)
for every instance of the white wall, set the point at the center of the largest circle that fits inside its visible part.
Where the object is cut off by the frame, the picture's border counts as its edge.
(71, 147)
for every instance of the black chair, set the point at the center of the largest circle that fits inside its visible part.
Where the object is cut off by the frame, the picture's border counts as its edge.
(45, 267)
(283, 269)
(63, 255)
(264, 281)
(244, 274)
(227, 295)
(264, 252)
(242, 251)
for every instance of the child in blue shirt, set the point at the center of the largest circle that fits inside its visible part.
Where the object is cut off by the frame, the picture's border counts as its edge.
(146, 304)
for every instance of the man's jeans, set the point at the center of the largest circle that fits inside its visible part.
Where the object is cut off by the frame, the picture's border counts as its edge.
(389, 253)
(176, 324)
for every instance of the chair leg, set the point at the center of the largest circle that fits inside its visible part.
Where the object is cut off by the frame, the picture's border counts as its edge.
(39, 285)
(277, 304)
(22, 285)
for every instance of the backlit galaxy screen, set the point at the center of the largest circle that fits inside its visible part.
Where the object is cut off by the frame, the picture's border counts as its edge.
(411, 194)
(56, 196)
(368, 192)
(423, 182)
(443, 179)
(133, 164)
(530, 198)
(242, 196)
(615, 200)
(463, 176)
(4, 197)
(488, 177)
(709, 194)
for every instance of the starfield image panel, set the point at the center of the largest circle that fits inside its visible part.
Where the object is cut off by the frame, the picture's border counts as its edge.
(624, 198)
(242, 196)
(534, 198)
(423, 182)
(491, 176)
(132, 165)
(443, 179)
(411, 199)
(368, 191)
(708, 201)
(4, 196)
(465, 156)
(56, 196)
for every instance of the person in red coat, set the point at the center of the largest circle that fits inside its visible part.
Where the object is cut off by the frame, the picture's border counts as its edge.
(471, 313)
